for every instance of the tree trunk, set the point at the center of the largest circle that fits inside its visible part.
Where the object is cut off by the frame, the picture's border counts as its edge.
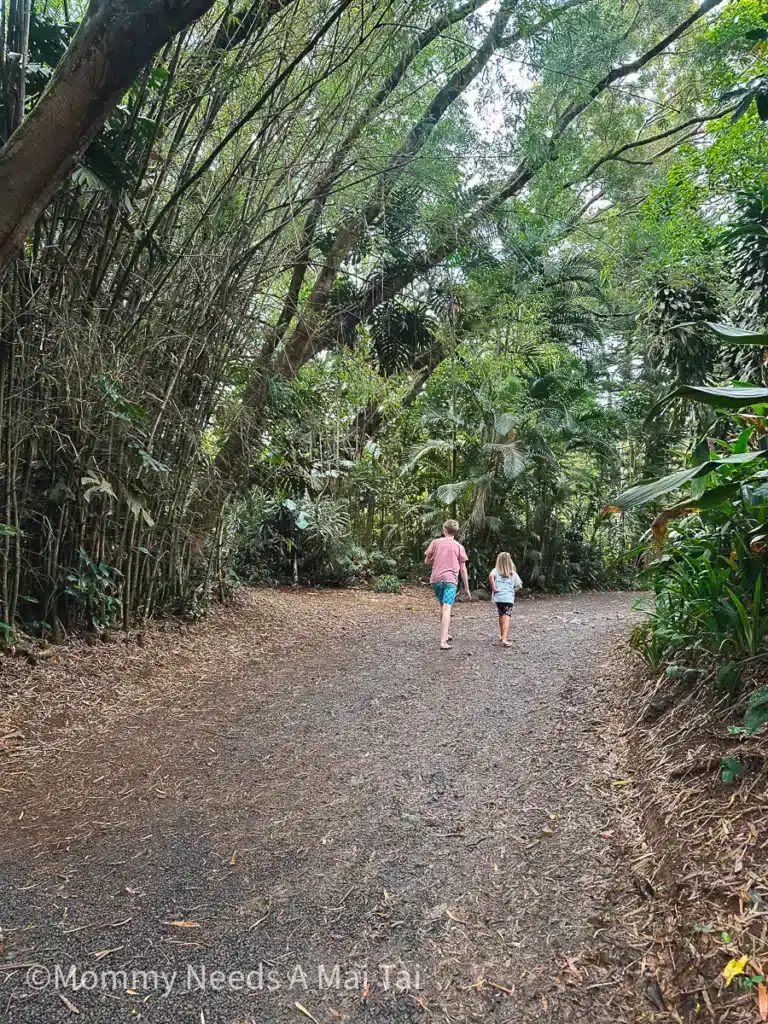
(115, 40)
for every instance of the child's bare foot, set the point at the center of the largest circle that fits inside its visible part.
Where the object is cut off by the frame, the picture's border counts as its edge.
(446, 647)
(505, 643)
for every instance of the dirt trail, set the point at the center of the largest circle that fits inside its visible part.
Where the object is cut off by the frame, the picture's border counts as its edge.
(355, 800)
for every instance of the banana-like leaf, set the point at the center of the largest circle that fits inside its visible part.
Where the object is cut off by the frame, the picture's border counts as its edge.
(710, 499)
(728, 333)
(730, 397)
(641, 494)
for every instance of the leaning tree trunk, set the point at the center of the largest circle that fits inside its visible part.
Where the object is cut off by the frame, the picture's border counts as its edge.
(115, 40)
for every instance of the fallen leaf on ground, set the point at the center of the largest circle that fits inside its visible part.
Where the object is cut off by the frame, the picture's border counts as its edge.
(502, 988)
(762, 1001)
(733, 968)
(100, 954)
(655, 995)
(305, 1011)
(182, 924)
(70, 1006)
(453, 917)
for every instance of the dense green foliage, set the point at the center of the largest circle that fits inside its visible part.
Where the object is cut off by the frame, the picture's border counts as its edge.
(332, 272)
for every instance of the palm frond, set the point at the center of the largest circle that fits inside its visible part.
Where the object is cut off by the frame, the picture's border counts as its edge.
(480, 494)
(505, 422)
(421, 449)
(510, 456)
(448, 493)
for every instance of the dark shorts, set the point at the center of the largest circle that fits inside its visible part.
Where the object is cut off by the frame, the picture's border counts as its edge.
(504, 609)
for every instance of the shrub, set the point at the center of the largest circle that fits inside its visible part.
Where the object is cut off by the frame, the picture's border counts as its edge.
(380, 564)
(387, 585)
(302, 539)
(709, 595)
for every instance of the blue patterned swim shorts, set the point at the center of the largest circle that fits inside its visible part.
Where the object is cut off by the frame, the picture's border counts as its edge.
(445, 592)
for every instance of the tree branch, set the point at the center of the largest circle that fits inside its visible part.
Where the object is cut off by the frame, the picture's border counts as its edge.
(115, 40)
(649, 140)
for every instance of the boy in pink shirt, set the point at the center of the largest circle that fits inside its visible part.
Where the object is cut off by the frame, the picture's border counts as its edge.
(447, 558)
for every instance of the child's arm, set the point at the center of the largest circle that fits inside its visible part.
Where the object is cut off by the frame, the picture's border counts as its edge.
(430, 554)
(492, 581)
(518, 583)
(465, 578)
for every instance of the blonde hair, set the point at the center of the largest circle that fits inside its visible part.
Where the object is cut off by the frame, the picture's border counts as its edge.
(451, 526)
(504, 564)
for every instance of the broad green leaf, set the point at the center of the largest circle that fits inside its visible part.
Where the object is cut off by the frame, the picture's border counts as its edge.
(745, 231)
(676, 671)
(712, 498)
(702, 502)
(729, 679)
(731, 769)
(641, 494)
(728, 397)
(701, 452)
(757, 710)
(736, 335)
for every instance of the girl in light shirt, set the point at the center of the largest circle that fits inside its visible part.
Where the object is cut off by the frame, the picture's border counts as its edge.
(505, 584)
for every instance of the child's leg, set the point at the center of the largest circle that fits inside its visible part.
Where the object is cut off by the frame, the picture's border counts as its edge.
(442, 607)
(504, 626)
(501, 619)
(445, 625)
(439, 595)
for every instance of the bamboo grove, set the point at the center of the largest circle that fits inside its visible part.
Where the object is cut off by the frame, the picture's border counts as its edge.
(282, 185)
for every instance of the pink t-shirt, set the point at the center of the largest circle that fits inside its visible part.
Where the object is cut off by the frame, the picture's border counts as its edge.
(446, 556)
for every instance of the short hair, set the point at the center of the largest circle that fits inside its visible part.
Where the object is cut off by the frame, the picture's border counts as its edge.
(451, 526)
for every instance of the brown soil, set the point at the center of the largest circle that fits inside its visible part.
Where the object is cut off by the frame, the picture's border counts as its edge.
(305, 780)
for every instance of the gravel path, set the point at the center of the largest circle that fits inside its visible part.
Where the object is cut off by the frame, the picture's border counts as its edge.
(375, 830)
